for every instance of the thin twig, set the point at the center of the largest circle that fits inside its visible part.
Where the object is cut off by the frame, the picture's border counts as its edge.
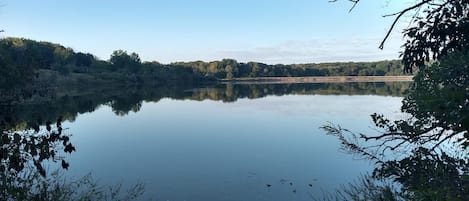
(381, 46)
(355, 2)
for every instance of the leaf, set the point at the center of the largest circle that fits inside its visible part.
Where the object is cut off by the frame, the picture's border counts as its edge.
(48, 127)
(16, 138)
(36, 128)
(39, 167)
(69, 148)
(5, 139)
(65, 165)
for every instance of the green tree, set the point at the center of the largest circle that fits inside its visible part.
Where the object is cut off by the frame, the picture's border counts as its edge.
(120, 60)
(437, 105)
(439, 97)
(437, 28)
(229, 72)
(83, 60)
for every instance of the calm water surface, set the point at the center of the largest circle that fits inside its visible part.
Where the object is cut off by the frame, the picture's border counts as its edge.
(184, 149)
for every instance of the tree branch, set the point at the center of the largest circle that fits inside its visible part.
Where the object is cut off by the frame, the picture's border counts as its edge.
(355, 2)
(443, 140)
(399, 15)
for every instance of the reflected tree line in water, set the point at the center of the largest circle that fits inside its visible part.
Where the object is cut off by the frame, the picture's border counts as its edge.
(68, 104)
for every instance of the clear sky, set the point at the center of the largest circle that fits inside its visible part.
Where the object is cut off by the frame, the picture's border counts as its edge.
(269, 31)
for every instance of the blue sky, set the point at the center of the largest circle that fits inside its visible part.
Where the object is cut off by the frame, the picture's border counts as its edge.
(270, 31)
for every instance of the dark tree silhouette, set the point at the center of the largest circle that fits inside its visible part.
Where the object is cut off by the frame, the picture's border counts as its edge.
(422, 173)
(438, 99)
(410, 151)
(437, 28)
(31, 147)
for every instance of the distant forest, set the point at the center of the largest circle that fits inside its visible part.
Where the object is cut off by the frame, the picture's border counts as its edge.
(23, 61)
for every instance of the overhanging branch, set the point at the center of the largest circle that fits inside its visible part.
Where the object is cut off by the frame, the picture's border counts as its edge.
(399, 15)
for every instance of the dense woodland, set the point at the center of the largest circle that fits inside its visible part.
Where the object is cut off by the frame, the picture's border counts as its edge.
(24, 60)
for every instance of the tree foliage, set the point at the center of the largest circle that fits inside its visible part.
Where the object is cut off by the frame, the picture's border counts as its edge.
(437, 28)
(57, 187)
(23, 61)
(19, 149)
(438, 100)
(437, 104)
(412, 173)
(441, 27)
(439, 97)
(426, 152)
(121, 60)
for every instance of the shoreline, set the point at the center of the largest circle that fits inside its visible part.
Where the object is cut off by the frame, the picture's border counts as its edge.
(316, 79)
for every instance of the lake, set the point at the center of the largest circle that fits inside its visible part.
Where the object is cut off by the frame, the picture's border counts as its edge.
(224, 142)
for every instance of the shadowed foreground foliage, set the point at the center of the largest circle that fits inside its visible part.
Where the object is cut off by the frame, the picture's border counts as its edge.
(408, 173)
(31, 186)
(426, 154)
(436, 28)
(437, 104)
(20, 149)
(23, 176)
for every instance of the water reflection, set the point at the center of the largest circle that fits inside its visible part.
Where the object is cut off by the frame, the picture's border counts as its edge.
(68, 104)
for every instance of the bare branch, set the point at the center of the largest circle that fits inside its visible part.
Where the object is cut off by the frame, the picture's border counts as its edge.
(398, 145)
(399, 15)
(443, 140)
(355, 2)
(399, 135)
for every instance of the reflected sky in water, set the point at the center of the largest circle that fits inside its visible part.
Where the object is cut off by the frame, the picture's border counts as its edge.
(210, 150)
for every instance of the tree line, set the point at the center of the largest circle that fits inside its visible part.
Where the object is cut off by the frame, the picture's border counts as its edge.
(229, 68)
(23, 60)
